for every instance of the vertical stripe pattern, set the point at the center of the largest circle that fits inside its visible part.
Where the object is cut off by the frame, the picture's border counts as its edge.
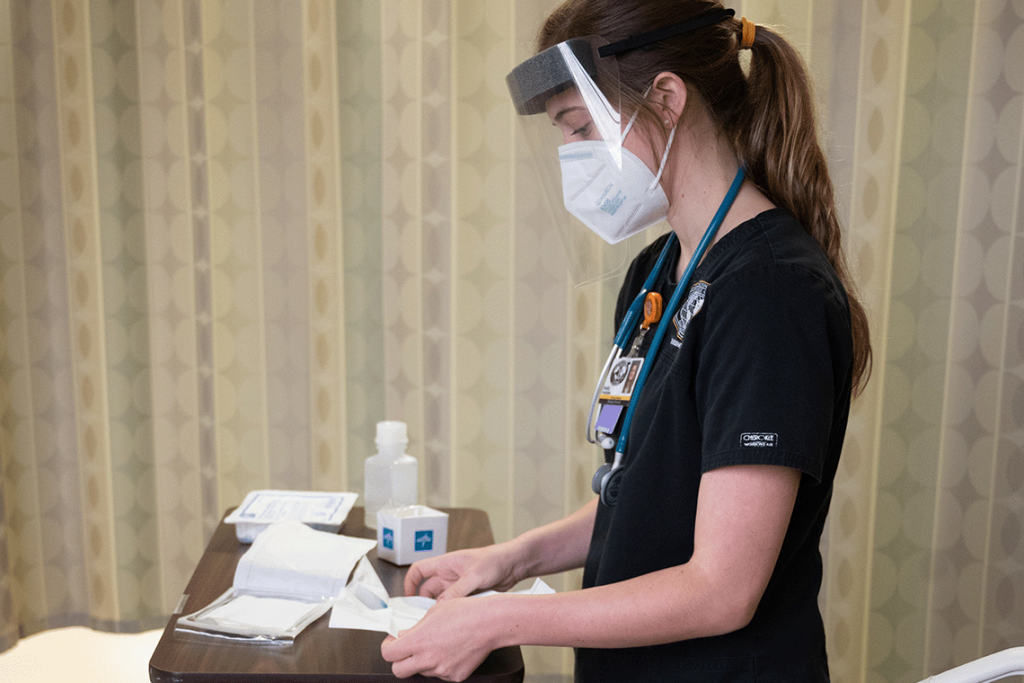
(234, 236)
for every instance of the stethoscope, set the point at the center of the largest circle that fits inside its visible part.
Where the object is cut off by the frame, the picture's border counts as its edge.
(607, 478)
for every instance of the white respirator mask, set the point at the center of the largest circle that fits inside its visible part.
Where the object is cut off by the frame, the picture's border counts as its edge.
(614, 200)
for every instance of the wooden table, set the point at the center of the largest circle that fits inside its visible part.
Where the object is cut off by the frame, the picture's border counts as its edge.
(320, 654)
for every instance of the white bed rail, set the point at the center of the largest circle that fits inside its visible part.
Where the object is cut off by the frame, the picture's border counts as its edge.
(991, 668)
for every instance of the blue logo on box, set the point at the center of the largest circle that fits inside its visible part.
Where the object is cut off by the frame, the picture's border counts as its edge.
(388, 538)
(424, 540)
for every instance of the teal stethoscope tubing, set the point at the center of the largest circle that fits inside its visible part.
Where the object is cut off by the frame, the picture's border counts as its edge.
(629, 320)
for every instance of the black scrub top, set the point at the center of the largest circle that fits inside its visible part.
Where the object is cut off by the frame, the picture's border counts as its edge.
(756, 369)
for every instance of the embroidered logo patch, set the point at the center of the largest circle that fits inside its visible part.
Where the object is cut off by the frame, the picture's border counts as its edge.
(759, 439)
(690, 308)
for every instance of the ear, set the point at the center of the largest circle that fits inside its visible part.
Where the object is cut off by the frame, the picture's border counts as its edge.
(668, 95)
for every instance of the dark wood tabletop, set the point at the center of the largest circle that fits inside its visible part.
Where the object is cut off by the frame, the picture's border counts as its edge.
(320, 653)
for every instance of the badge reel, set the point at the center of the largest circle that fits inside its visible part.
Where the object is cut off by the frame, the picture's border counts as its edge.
(617, 389)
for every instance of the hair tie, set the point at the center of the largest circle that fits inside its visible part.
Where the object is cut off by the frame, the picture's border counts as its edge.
(747, 38)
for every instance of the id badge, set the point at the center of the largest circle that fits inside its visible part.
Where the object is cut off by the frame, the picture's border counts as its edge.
(616, 391)
(618, 385)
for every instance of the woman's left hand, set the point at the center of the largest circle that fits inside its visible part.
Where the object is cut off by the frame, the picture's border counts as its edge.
(449, 642)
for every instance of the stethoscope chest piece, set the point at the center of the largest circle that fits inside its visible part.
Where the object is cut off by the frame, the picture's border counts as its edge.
(606, 483)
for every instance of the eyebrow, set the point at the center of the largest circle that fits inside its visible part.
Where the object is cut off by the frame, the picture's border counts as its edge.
(556, 118)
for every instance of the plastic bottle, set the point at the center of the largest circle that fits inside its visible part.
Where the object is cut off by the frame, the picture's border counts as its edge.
(390, 476)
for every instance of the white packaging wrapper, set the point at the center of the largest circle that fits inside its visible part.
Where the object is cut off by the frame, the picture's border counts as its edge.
(319, 510)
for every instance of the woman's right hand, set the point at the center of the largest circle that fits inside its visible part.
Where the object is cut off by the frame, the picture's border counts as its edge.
(460, 573)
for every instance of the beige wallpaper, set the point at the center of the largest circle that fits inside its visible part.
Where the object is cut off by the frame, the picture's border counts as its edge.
(234, 235)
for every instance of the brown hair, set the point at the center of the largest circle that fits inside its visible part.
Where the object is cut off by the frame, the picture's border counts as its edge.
(766, 114)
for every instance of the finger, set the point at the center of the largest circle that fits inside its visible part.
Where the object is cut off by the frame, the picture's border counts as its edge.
(385, 648)
(413, 579)
(405, 668)
(403, 658)
(460, 589)
(432, 587)
(424, 571)
(393, 649)
(414, 665)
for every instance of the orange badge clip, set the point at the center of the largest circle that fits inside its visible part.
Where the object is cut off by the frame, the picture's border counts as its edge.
(652, 309)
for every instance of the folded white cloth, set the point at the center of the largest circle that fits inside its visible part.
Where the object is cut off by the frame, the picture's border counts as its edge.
(364, 604)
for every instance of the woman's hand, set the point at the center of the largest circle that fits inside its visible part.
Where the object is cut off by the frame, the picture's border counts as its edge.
(552, 548)
(449, 642)
(461, 573)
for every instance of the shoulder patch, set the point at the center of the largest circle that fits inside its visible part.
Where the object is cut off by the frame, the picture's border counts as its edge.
(759, 439)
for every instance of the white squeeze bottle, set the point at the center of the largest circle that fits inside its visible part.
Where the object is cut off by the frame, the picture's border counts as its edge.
(390, 476)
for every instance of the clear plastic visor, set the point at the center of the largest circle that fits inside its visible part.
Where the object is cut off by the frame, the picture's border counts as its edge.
(568, 94)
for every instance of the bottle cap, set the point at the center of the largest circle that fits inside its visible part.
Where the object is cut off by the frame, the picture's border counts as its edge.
(392, 432)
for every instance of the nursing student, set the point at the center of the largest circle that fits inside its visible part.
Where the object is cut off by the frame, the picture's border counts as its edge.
(700, 545)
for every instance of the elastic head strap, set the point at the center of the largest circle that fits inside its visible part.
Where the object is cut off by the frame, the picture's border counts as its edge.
(664, 32)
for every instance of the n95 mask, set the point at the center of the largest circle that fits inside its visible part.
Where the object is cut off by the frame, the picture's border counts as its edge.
(606, 194)
(614, 200)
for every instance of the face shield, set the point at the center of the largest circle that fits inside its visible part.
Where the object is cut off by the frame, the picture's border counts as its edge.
(568, 100)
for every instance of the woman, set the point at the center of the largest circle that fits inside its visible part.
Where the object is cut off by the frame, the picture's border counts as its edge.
(700, 553)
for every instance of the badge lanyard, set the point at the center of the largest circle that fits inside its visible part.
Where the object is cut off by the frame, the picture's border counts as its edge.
(606, 478)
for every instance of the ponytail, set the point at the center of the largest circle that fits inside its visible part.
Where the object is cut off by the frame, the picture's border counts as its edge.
(767, 114)
(775, 136)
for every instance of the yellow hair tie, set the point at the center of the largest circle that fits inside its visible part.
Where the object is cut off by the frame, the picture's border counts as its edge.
(747, 38)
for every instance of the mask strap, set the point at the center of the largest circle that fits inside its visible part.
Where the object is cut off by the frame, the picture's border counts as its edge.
(632, 119)
(629, 126)
(668, 145)
(664, 158)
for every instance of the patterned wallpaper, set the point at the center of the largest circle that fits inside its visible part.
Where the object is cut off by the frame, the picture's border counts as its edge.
(235, 235)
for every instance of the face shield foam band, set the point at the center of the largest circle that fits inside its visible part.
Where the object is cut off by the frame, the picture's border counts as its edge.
(664, 32)
(538, 79)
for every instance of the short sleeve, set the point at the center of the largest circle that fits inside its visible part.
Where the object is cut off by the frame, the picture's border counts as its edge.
(767, 374)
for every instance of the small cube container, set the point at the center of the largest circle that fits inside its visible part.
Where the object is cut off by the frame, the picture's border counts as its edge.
(411, 532)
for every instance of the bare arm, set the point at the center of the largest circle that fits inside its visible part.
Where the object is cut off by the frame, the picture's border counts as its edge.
(558, 546)
(742, 516)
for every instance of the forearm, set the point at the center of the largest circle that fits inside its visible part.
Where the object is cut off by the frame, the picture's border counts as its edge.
(455, 635)
(555, 547)
(742, 516)
(673, 604)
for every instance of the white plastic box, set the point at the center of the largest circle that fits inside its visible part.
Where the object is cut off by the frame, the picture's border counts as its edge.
(411, 532)
(320, 510)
